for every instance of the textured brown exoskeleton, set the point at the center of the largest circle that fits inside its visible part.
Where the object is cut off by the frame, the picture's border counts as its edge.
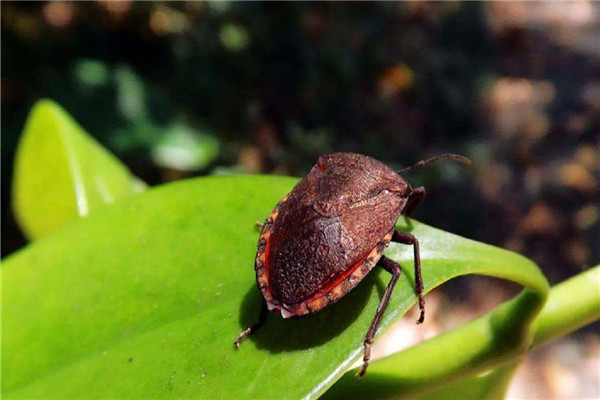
(325, 236)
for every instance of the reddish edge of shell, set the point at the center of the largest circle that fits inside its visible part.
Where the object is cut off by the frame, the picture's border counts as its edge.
(331, 293)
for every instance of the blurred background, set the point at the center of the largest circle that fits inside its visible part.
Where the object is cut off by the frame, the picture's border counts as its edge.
(181, 89)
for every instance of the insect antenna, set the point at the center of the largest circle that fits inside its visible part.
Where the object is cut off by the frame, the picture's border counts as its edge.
(422, 163)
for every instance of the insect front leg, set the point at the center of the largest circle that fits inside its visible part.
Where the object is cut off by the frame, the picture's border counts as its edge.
(407, 238)
(414, 199)
(393, 268)
(258, 224)
(262, 318)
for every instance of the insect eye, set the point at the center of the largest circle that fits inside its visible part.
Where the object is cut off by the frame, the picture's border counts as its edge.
(375, 191)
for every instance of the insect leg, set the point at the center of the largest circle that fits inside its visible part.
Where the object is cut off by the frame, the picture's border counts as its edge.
(393, 268)
(415, 197)
(258, 224)
(250, 330)
(407, 238)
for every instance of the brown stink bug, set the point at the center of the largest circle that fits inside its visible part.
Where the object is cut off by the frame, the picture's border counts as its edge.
(326, 235)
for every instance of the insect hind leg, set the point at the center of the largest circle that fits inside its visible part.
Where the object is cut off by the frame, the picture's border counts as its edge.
(262, 318)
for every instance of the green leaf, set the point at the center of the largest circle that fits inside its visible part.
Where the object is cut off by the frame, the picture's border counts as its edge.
(491, 385)
(150, 300)
(61, 172)
(571, 305)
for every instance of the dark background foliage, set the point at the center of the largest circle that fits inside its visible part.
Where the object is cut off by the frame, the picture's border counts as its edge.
(277, 84)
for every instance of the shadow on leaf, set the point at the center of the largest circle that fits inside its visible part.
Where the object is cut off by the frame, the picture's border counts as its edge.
(311, 330)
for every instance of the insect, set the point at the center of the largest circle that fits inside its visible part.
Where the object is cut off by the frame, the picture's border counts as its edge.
(330, 231)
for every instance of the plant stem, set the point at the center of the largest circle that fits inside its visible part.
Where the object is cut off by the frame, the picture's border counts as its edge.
(572, 304)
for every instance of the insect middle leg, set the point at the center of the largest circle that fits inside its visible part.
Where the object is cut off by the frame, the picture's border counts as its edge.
(262, 318)
(408, 238)
(393, 268)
